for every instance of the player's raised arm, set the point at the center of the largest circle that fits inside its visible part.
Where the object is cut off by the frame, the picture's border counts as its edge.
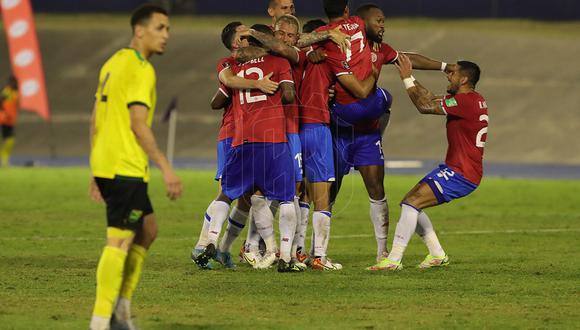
(425, 101)
(341, 39)
(146, 140)
(422, 62)
(359, 89)
(271, 43)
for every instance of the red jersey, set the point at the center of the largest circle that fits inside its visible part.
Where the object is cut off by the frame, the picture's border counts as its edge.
(466, 134)
(260, 117)
(356, 60)
(292, 110)
(227, 125)
(313, 93)
(381, 54)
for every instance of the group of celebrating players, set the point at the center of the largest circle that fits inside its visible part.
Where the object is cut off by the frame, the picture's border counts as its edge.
(302, 108)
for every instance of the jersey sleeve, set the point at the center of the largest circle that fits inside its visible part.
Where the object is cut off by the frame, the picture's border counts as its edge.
(389, 54)
(223, 64)
(455, 105)
(139, 88)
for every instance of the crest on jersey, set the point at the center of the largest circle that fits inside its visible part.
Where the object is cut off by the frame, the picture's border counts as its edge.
(225, 64)
(452, 102)
(374, 57)
(345, 65)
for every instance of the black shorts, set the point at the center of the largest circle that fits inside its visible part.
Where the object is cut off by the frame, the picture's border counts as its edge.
(7, 131)
(127, 201)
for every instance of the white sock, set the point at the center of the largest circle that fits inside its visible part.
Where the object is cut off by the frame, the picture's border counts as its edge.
(100, 323)
(321, 225)
(123, 309)
(218, 213)
(297, 231)
(253, 237)
(236, 223)
(379, 211)
(287, 229)
(302, 227)
(404, 231)
(427, 232)
(202, 241)
(264, 220)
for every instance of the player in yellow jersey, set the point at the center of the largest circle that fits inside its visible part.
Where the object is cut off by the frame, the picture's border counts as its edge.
(121, 144)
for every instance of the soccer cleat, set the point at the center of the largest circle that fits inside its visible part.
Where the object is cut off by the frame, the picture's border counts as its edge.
(386, 264)
(266, 261)
(252, 257)
(203, 258)
(288, 267)
(433, 262)
(324, 263)
(118, 324)
(242, 252)
(299, 264)
(301, 257)
(225, 258)
(194, 254)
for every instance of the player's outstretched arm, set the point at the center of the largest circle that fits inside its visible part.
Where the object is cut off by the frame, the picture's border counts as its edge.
(422, 62)
(274, 45)
(423, 99)
(341, 39)
(228, 78)
(146, 140)
(219, 100)
(245, 54)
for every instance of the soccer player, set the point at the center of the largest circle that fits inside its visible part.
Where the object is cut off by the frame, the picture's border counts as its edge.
(222, 100)
(279, 8)
(122, 143)
(9, 99)
(467, 121)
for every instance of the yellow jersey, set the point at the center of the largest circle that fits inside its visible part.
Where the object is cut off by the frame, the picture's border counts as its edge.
(125, 79)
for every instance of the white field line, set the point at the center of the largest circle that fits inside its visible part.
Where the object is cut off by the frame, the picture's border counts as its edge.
(467, 232)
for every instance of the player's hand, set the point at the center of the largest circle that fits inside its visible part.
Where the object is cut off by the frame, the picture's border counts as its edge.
(404, 65)
(94, 192)
(341, 39)
(316, 56)
(266, 85)
(331, 93)
(173, 185)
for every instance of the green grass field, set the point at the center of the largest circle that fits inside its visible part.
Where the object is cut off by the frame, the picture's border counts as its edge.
(514, 247)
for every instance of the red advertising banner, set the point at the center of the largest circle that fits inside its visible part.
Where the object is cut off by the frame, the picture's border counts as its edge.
(25, 55)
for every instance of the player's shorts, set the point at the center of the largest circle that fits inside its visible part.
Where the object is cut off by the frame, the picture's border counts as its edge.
(296, 153)
(317, 153)
(447, 184)
(373, 107)
(7, 131)
(127, 201)
(356, 149)
(223, 148)
(267, 167)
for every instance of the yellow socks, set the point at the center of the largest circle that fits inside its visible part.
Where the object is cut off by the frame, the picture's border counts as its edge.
(133, 269)
(109, 279)
(6, 151)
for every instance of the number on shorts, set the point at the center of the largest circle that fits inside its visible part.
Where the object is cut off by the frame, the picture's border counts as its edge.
(249, 98)
(446, 173)
(298, 158)
(479, 140)
(380, 145)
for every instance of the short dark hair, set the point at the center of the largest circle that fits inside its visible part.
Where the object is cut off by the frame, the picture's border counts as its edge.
(143, 13)
(334, 8)
(471, 71)
(313, 25)
(271, 3)
(228, 34)
(364, 10)
(260, 28)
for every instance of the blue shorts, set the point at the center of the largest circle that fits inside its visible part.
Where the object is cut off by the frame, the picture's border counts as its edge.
(355, 149)
(223, 148)
(267, 167)
(296, 153)
(447, 184)
(317, 154)
(373, 107)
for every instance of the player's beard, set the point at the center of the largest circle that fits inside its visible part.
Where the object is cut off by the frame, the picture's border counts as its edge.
(375, 38)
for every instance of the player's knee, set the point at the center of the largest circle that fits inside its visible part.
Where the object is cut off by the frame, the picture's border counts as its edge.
(376, 191)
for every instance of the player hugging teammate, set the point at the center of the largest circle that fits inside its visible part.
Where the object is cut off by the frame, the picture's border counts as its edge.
(303, 108)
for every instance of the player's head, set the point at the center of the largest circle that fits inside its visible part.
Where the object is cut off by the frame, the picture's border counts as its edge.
(260, 28)
(374, 21)
(287, 29)
(312, 25)
(150, 24)
(278, 8)
(12, 82)
(467, 74)
(336, 8)
(230, 36)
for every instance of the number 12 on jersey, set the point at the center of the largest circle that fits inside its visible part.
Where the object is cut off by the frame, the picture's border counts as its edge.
(247, 92)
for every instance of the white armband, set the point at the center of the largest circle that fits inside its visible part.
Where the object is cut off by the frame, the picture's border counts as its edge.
(409, 82)
(443, 66)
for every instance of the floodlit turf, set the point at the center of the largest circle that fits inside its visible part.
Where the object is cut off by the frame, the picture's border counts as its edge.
(514, 251)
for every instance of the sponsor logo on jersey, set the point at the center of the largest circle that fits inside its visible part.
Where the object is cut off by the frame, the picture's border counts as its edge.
(135, 215)
(452, 102)
(345, 65)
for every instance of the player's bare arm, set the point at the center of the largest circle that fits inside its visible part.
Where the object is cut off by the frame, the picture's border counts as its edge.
(274, 45)
(359, 89)
(422, 62)
(288, 92)
(245, 54)
(265, 85)
(337, 36)
(423, 99)
(219, 101)
(146, 140)
(94, 192)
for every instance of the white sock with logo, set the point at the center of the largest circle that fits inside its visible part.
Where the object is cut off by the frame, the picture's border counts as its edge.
(287, 229)
(379, 212)
(202, 240)
(218, 213)
(236, 223)
(427, 232)
(404, 231)
(264, 220)
(321, 226)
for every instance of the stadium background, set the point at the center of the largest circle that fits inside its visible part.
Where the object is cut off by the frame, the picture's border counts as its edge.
(529, 77)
